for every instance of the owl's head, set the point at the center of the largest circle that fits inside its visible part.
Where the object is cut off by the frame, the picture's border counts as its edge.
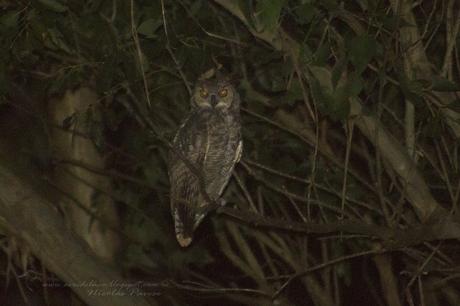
(217, 93)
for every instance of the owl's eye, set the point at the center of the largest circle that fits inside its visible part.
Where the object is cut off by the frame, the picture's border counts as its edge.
(223, 92)
(204, 93)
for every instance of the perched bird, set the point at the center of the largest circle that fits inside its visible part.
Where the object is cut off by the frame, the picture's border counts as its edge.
(204, 151)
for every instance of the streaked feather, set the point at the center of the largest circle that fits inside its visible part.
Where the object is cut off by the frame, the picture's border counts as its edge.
(209, 138)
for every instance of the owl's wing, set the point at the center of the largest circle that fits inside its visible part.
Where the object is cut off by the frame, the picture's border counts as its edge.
(191, 143)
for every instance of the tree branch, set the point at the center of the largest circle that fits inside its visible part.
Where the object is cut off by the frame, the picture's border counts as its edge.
(418, 192)
(31, 217)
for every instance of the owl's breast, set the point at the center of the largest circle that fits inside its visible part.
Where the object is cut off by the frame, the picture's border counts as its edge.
(224, 126)
(223, 138)
(210, 139)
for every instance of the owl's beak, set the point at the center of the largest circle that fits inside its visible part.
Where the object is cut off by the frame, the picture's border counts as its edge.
(213, 100)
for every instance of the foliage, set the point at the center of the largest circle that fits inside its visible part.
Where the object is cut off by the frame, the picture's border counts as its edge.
(301, 67)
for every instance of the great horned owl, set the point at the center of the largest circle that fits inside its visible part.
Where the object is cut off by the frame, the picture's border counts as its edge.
(204, 151)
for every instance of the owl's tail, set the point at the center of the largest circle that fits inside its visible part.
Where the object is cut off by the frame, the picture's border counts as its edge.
(183, 241)
(183, 223)
(184, 208)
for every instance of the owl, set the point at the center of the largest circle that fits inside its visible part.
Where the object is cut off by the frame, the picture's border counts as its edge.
(203, 154)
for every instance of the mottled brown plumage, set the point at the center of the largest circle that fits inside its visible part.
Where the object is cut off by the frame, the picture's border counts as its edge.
(210, 141)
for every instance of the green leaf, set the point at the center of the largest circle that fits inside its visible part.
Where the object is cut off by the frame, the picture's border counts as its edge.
(412, 89)
(442, 84)
(9, 20)
(321, 55)
(354, 85)
(149, 27)
(305, 54)
(330, 5)
(363, 4)
(433, 128)
(54, 5)
(56, 40)
(338, 69)
(268, 13)
(246, 8)
(454, 105)
(305, 13)
(294, 92)
(135, 255)
(361, 50)
(334, 102)
(339, 106)
(195, 8)
(391, 22)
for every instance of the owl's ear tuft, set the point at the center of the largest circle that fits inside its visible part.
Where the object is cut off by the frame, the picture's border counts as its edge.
(217, 72)
(209, 74)
(234, 79)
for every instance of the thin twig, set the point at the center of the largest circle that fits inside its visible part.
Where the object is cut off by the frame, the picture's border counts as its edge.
(350, 125)
(245, 191)
(168, 47)
(139, 55)
(322, 266)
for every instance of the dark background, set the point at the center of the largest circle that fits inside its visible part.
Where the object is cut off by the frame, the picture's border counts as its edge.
(351, 131)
